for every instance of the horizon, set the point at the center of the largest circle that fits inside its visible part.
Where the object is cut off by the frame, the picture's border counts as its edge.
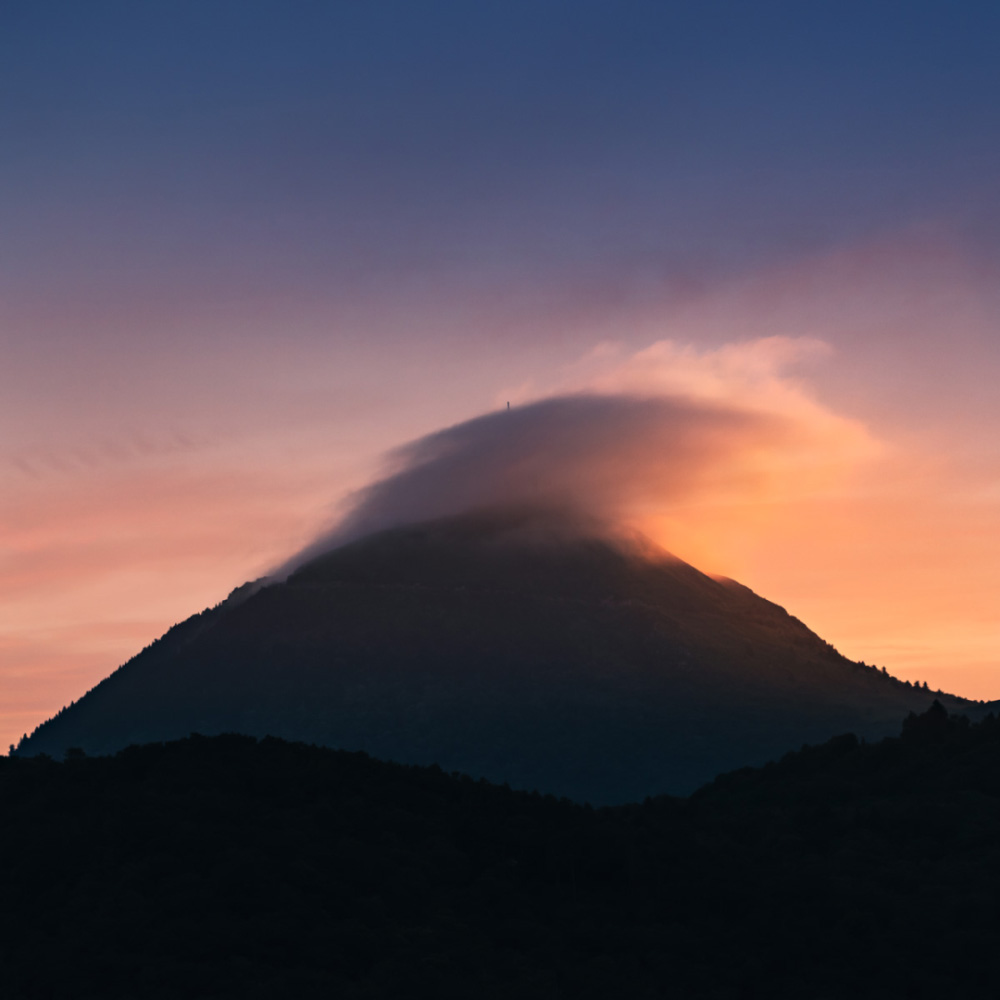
(262, 259)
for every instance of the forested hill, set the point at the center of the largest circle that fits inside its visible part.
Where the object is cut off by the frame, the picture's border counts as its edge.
(228, 867)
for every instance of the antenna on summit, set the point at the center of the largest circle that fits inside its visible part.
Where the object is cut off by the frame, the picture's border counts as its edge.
(508, 405)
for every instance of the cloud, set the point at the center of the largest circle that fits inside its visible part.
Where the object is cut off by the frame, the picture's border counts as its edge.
(664, 427)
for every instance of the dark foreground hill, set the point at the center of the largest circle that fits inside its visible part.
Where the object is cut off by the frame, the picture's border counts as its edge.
(501, 646)
(227, 867)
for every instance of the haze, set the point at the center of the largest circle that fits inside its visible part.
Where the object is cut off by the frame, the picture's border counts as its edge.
(735, 267)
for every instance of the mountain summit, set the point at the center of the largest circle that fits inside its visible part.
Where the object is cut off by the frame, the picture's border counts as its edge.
(510, 645)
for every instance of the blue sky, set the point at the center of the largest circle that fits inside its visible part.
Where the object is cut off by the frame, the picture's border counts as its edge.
(308, 144)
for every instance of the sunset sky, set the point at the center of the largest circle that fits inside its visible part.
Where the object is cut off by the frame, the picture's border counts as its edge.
(248, 249)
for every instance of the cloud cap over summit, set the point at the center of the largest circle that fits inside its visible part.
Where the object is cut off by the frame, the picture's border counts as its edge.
(600, 457)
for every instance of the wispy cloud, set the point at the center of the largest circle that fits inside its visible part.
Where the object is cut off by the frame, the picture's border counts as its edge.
(67, 459)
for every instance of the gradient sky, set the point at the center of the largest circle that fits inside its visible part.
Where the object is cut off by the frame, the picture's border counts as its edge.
(246, 248)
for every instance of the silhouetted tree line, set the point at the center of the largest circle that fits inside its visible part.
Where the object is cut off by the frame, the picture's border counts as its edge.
(230, 867)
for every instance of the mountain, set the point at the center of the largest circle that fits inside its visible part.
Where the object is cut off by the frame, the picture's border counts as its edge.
(506, 645)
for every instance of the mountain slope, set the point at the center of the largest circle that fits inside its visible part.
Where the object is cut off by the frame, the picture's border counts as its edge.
(502, 646)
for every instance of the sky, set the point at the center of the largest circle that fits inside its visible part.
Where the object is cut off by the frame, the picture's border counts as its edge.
(251, 250)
